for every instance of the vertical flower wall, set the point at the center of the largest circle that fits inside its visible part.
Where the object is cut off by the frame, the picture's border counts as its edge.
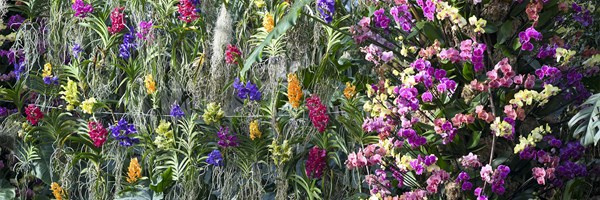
(299, 99)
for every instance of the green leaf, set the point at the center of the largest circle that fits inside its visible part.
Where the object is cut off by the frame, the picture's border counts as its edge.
(490, 29)
(474, 139)
(587, 121)
(505, 31)
(282, 26)
(164, 181)
(7, 193)
(467, 71)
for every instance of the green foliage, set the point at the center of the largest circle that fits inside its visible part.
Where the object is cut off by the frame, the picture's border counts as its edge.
(586, 122)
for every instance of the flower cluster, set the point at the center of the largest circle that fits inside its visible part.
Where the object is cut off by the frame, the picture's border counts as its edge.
(226, 139)
(150, 84)
(232, 54)
(134, 171)
(122, 131)
(495, 177)
(528, 97)
(437, 177)
(445, 129)
(215, 158)
(81, 9)
(165, 137)
(117, 19)
(187, 11)
(145, 30)
(19, 69)
(57, 191)
(47, 75)
(317, 112)
(526, 36)
(34, 114)
(87, 106)
(15, 21)
(380, 19)
(327, 9)
(268, 22)
(317, 160)
(583, 16)
(77, 49)
(350, 90)
(213, 113)
(254, 130)
(402, 16)
(428, 7)
(294, 90)
(176, 111)
(371, 155)
(247, 90)
(97, 132)
(128, 45)
(280, 153)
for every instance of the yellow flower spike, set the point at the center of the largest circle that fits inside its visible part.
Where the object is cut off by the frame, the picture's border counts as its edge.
(70, 94)
(88, 105)
(268, 22)
(294, 90)
(350, 90)
(57, 191)
(259, 3)
(150, 84)
(134, 171)
(254, 130)
(47, 70)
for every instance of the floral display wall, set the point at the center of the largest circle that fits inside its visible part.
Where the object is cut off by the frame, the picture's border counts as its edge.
(299, 99)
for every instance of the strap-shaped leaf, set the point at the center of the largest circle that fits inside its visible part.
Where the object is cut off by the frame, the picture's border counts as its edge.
(282, 26)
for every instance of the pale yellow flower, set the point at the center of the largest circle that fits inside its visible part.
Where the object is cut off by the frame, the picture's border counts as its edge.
(88, 105)
(47, 70)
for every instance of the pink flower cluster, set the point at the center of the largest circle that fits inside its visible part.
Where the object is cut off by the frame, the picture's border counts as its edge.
(317, 160)
(495, 81)
(378, 124)
(117, 19)
(232, 54)
(369, 156)
(450, 54)
(317, 112)
(378, 182)
(436, 178)
(470, 161)
(97, 132)
(187, 11)
(376, 55)
(540, 175)
(510, 112)
(460, 119)
(484, 115)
